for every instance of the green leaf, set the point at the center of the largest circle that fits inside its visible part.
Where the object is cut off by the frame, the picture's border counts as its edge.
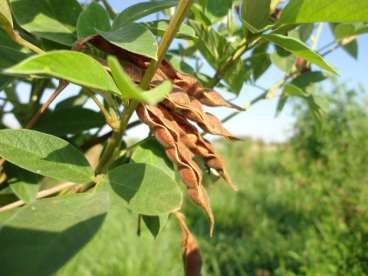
(341, 31)
(299, 87)
(217, 9)
(10, 51)
(7, 196)
(41, 237)
(5, 15)
(72, 102)
(258, 65)
(212, 45)
(92, 18)
(299, 49)
(305, 80)
(73, 120)
(133, 37)
(309, 11)
(51, 19)
(72, 66)
(5, 40)
(352, 48)
(305, 31)
(23, 183)
(152, 153)
(145, 189)
(45, 155)
(256, 13)
(291, 89)
(347, 30)
(129, 90)
(140, 10)
(10, 56)
(284, 63)
(155, 223)
(159, 27)
(258, 62)
(236, 75)
(179, 64)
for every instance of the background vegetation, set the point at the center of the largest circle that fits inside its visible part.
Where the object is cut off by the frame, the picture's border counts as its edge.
(301, 208)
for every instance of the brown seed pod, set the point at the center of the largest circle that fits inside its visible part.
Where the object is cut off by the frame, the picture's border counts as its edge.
(214, 99)
(168, 133)
(190, 250)
(191, 108)
(170, 125)
(213, 125)
(202, 148)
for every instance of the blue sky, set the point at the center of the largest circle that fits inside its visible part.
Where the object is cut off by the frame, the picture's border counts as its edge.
(260, 121)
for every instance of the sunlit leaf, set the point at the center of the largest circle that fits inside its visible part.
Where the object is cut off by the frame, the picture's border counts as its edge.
(145, 189)
(299, 49)
(351, 48)
(51, 19)
(159, 27)
(140, 10)
(23, 183)
(5, 15)
(41, 237)
(256, 13)
(93, 18)
(309, 11)
(152, 153)
(45, 155)
(72, 66)
(348, 30)
(129, 90)
(133, 37)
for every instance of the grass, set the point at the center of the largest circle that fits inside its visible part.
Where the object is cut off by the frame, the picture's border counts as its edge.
(283, 221)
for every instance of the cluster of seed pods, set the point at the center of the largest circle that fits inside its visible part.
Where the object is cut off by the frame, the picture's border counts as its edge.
(173, 121)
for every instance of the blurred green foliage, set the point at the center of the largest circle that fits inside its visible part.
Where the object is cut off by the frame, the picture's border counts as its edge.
(301, 209)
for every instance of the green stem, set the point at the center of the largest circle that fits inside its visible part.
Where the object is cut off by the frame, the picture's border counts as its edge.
(21, 41)
(166, 40)
(316, 37)
(62, 85)
(110, 119)
(113, 145)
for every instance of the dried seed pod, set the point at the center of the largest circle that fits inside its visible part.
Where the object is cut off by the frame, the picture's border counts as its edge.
(165, 118)
(214, 99)
(133, 71)
(164, 137)
(191, 175)
(205, 96)
(168, 133)
(218, 164)
(191, 255)
(178, 103)
(202, 148)
(213, 125)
